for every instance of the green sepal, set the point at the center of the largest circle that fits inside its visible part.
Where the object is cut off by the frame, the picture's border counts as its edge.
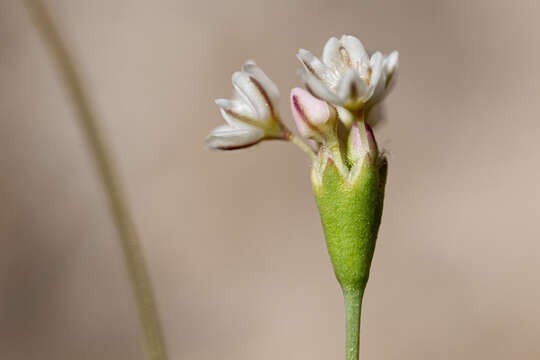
(350, 211)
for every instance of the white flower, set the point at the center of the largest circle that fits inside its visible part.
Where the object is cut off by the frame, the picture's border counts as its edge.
(251, 114)
(347, 76)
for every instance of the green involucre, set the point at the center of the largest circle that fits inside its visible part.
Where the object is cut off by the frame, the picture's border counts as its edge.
(350, 213)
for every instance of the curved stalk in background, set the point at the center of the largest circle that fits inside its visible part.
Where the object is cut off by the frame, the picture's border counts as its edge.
(120, 213)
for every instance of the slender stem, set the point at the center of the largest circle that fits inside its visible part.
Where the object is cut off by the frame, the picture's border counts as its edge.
(302, 145)
(118, 207)
(353, 309)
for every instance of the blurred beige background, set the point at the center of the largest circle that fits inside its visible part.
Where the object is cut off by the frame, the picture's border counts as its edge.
(233, 240)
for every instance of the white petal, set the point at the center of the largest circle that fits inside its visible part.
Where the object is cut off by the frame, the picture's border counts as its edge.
(271, 89)
(345, 116)
(354, 48)
(240, 94)
(331, 53)
(387, 79)
(319, 89)
(378, 77)
(223, 103)
(352, 86)
(377, 65)
(230, 119)
(391, 62)
(391, 66)
(226, 137)
(315, 66)
(237, 106)
(251, 94)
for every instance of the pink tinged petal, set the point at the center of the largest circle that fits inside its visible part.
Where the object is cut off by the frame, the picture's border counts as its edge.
(226, 137)
(256, 72)
(352, 87)
(361, 141)
(313, 144)
(371, 143)
(253, 94)
(301, 124)
(354, 48)
(319, 89)
(309, 113)
(355, 149)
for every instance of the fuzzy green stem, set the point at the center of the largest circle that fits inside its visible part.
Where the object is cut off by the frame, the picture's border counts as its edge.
(118, 207)
(353, 310)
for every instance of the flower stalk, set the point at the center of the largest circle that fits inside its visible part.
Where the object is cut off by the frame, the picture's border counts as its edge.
(353, 310)
(301, 145)
(133, 254)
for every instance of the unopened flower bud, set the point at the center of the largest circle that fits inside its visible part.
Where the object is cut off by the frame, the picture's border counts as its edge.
(362, 143)
(313, 117)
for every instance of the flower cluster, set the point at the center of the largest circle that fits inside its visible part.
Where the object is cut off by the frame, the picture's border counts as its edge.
(332, 114)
